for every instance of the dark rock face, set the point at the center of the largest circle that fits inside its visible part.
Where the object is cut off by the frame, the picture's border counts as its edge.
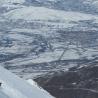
(72, 93)
(75, 83)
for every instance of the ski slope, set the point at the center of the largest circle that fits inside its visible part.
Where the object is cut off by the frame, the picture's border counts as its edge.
(14, 87)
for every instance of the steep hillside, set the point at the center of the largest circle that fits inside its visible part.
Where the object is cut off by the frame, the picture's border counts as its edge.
(77, 82)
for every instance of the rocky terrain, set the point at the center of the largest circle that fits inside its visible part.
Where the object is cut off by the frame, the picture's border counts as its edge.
(77, 82)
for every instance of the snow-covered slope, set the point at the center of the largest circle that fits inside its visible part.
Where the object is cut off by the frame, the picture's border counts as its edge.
(36, 34)
(14, 87)
(42, 13)
(7, 5)
(87, 6)
(33, 35)
(12, 1)
(91, 3)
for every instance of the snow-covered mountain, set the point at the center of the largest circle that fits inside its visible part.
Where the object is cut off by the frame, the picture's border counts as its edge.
(36, 33)
(14, 87)
(45, 36)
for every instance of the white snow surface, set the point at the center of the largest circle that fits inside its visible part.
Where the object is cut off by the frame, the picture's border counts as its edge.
(15, 87)
(12, 1)
(42, 13)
